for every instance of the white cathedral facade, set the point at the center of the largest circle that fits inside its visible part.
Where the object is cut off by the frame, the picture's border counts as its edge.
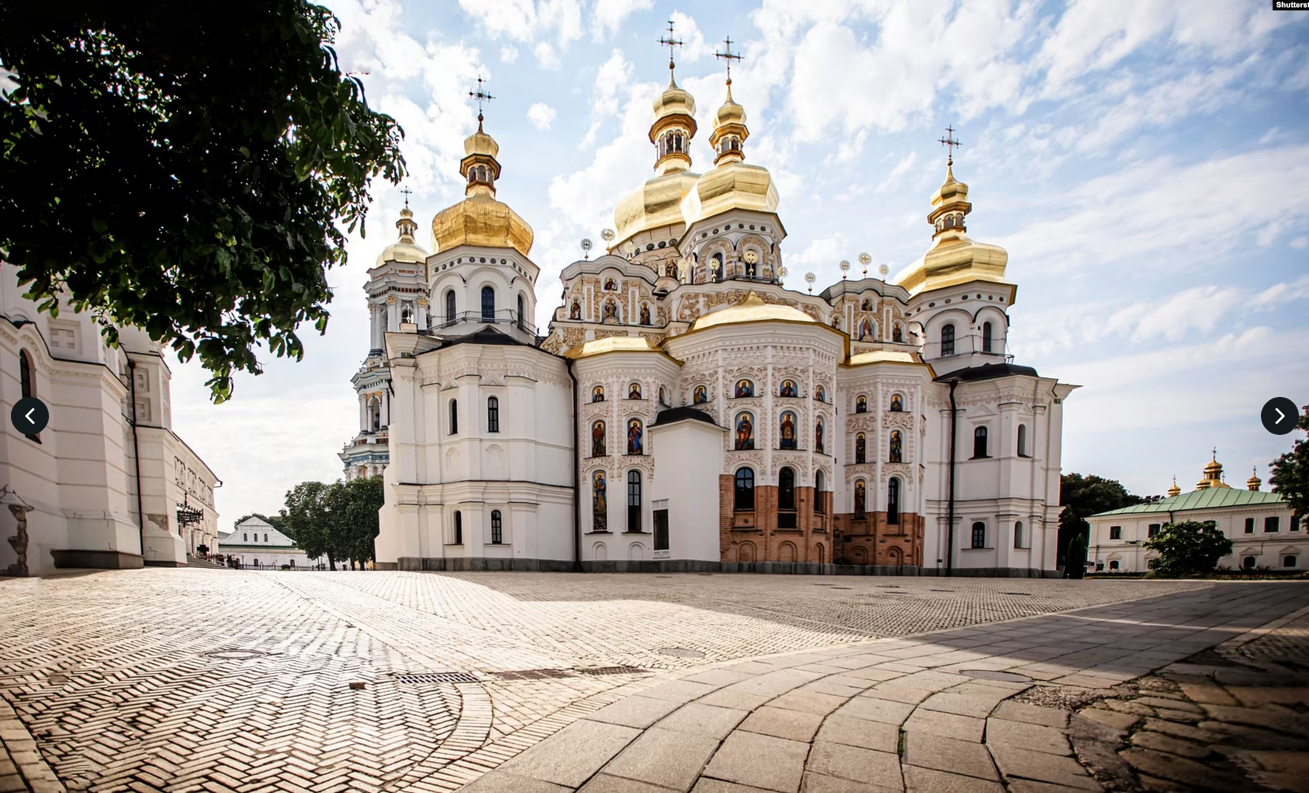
(684, 410)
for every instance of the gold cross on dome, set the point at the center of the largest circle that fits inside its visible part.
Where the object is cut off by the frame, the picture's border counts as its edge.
(670, 42)
(482, 97)
(406, 192)
(728, 56)
(950, 143)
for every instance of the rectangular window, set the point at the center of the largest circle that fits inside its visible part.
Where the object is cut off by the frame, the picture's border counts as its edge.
(1295, 523)
(1153, 530)
(1270, 524)
(661, 529)
(634, 502)
(1115, 532)
(1249, 525)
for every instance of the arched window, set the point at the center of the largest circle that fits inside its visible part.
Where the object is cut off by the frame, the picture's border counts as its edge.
(265, 537)
(634, 502)
(947, 340)
(786, 489)
(986, 337)
(374, 414)
(522, 312)
(744, 500)
(450, 307)
(979, 442)
(819, 505)
(406, 315)
(1249, 563)
(454, 417)
(1018, 535)
(488, 304)
(718, 270)
(897, 334)
(893, 501)
(25, 384)
(245, 538)
(979, 535)
(1022, 440)
(497, 528)
(492, 414)
(1289, 561)
(1113, 564)
(459, 528)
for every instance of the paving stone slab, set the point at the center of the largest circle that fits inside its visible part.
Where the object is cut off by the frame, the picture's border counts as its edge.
(703, 720)
(1041, 767)
(1032, 714)
(604, 783)
(663, 757)
(501, 781)
(927, 780)
(857, 764)
(848, 730)
(572, 755)
(948, 725)
(748, 758)
(948, 754)
(793, 725)
(1027, 736)
(874, 709)
(634, 711)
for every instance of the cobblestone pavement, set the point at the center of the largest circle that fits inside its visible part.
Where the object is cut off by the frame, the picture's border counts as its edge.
(983, 708)
(190, 679)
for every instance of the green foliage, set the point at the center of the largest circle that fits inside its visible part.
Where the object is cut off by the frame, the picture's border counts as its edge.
(1081, 496)
(1187, 548)
(338, 520)
(191, 172)
(1290, 472)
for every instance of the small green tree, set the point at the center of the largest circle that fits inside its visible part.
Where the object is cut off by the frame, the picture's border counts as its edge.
(1187, 548)
(1076, 565)
(307, 515)
(1290, 472)
(1081, 496)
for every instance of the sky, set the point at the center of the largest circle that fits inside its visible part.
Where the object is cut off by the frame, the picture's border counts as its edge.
(1144, 162)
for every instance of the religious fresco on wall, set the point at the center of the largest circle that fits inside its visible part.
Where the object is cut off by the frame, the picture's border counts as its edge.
(787, 389)
(744, 431)
(818, 437)
(575, 310)
(786, 430)
(598, 394)
(744, 388)
(700, 395)
(635, 434)
(859, 496)
(645, 314)
(611, 311)
(865, 330)
(634, 391)
(897, 334)
(861, 404)
(896, 450)
(820, 393)
(860, 448)
(897, 404)
(598, 439)
(662, 401)
(599, 502)
(611, 285)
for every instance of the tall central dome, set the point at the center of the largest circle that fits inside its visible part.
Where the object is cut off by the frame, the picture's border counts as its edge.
(732, 184)
(480, 219)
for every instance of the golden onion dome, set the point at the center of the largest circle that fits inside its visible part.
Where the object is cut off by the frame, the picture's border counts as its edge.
(1254, 482)
(954, 258)
(730, 112)
(733, 185)
(481, 220)
(1213, 469)
(481, 143)
(404, 249)
(752, 308)
(655, 204)
(1174, 490)
(674, 101)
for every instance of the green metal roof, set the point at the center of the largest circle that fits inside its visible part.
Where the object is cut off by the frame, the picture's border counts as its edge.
(1212, 498)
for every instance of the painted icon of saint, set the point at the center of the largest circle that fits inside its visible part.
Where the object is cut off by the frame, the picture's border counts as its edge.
(861, 404)
(744, 432)
(645, 315)
(896, 453)
(701, 395)
(599, 502)
(611, 310)
(860, 448)
(634, 391)
(598, 394)
(818, 437)
(820, 393)
(598, 439)
(744, 388)
(897, 404)
(859, 495)
(575, 311)
(788, 388)
(634, 433)
(788, 430)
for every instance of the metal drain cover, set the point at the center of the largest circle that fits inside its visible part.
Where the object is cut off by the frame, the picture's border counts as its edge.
(680, 652)
(236, 655)
(437, 677)
(991, 674)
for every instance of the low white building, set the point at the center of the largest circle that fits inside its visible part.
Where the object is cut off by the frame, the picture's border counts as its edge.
(255, 543)
(74, 494)
(1263, 529)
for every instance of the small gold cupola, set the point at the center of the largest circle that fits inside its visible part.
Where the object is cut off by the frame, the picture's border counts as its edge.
(479, 165)
(950, 203)
(1254, 482)
(1174, 490)
(730, 130)
(674, 119)
(1213, 474)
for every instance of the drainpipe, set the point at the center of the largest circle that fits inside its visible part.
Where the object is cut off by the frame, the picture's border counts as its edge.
(954, 420)
(136, 455)
(577, 483)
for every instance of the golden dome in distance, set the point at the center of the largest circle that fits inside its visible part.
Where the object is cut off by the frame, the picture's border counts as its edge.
(730, 131)
(1254, 482)
(1174, 490)
(405, 249)
(480, 219)
(751, 308)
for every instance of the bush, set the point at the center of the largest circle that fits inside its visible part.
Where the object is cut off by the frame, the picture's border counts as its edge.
(1188, 548)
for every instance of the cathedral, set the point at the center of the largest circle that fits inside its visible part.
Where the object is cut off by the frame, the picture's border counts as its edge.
(685, 410)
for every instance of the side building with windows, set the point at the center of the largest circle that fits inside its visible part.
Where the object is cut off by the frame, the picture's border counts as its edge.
(685, 410)
(1264, 531)
(256, 544)
(108, 483)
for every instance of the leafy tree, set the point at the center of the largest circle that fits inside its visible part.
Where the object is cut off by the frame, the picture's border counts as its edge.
(184, 171)
(307, 515)
(1290, 472)
(1187, 548)
(1082, 496)
(359, 521)
(1076, 565)
(338, 520)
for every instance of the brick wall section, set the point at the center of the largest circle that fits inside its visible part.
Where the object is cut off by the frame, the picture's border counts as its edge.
(877, 538)
(760, 526)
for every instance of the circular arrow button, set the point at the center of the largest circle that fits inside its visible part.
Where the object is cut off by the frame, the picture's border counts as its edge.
(29, 415)
(1280, 415)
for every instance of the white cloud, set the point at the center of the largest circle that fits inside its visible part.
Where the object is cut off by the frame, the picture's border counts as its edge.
(609, 15)
(614, 78)
(546, 55)
(508, 54)
(526, 21)
(541, 115)
(694, 47)
(904, 166)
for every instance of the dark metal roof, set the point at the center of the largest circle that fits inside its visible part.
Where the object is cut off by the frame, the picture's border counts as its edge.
(672, 415)
(990, 371)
